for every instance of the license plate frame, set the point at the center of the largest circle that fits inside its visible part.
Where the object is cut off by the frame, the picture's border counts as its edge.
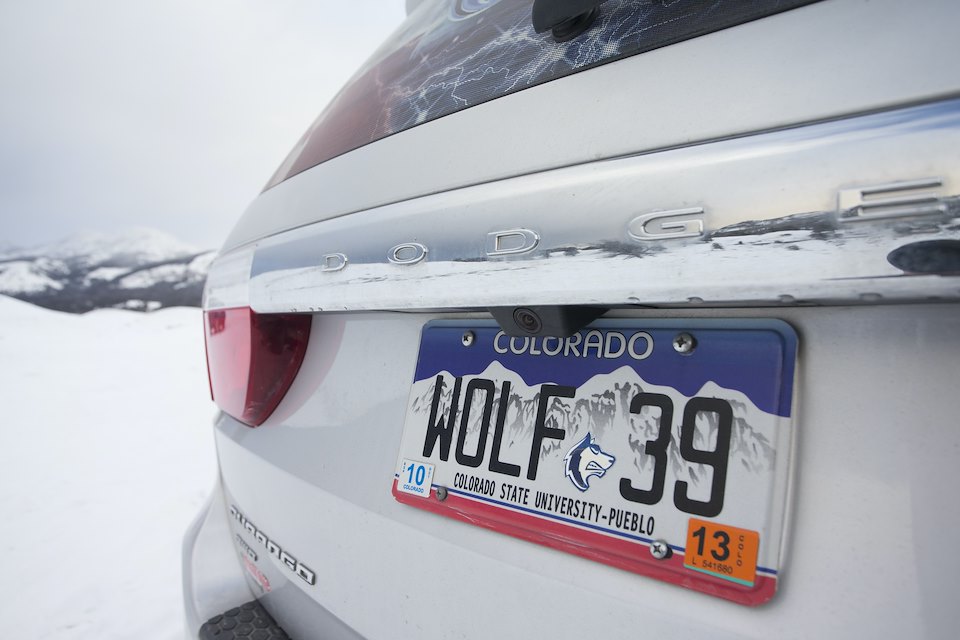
(696, 375)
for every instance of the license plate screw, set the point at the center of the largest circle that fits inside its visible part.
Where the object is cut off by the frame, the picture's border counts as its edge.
(684, 343)
(468, 338)
(660, 550)
(441, 493)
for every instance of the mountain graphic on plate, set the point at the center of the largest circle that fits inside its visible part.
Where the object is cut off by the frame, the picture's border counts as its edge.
(602, 408)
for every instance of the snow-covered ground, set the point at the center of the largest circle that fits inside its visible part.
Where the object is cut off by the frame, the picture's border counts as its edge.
(106, 454)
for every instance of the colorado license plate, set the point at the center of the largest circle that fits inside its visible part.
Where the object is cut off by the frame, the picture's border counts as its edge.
(661, 447)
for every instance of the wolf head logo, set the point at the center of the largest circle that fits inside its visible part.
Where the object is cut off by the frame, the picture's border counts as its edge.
(585, 460)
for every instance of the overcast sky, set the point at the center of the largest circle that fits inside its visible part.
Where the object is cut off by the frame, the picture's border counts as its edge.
(170, 114)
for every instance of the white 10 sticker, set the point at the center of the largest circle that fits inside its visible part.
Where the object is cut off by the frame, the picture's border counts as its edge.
(415, 478)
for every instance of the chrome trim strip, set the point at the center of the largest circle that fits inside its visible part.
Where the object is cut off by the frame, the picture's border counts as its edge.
(772, 208)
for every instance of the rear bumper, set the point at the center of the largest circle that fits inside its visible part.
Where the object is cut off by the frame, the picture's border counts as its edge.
(876, 454)
(213, 579)
(223, 575)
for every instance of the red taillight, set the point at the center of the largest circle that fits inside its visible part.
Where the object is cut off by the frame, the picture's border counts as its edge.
(252, 359)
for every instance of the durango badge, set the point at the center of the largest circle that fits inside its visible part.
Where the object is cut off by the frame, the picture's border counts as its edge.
(584, 460)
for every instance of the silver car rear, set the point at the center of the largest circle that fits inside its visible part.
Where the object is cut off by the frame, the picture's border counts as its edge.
(798, 166)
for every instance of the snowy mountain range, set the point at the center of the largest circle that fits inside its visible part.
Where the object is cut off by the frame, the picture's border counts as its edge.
(139, 269)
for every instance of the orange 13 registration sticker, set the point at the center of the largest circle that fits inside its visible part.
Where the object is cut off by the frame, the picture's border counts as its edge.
(722, 551)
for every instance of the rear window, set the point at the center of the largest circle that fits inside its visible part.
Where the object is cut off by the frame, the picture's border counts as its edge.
(450, 55)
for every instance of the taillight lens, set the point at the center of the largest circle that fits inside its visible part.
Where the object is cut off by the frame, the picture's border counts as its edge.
(253, 359)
